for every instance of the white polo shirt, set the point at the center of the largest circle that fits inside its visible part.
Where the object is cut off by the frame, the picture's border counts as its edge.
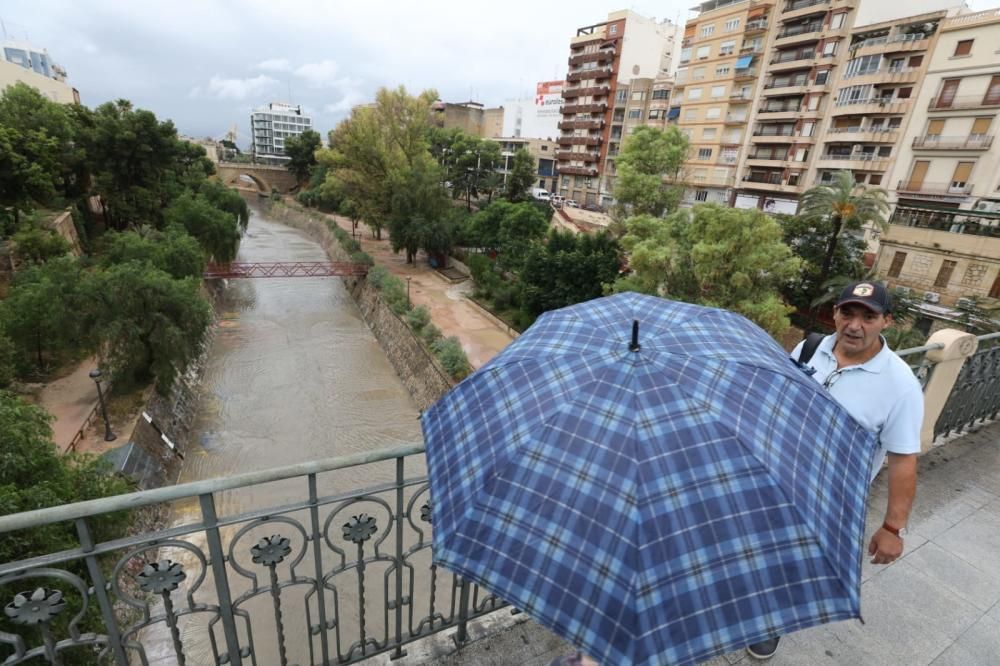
(881, 394)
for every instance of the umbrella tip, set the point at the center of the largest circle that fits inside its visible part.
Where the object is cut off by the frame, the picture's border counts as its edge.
(634, 345)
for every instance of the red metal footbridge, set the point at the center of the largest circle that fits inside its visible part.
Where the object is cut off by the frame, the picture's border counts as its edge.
(285, 269)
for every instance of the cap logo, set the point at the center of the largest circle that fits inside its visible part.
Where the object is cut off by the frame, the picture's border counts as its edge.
(864, 289)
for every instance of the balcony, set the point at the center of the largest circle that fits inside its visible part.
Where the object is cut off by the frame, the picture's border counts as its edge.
(579, 140)
(771, 182)
(858, 161)
(795, 5)
(735, 119)
(872, 105)
(779, 112)
(745, 74)
(778, 88)
(799, 34)
(577, 171)
(887, 75)
(740, 96)
(943, 103)
(566, 155)
(593, 91)
(935, 190)
(586, 74)
(894, 44)
(581, 124)
(765, 136)
(751, 50)
(759, 25)
(788, 60)
(865, 134)
(795, 10)
(605, 55)
(937, 142)
(597, 107)
(767, 160)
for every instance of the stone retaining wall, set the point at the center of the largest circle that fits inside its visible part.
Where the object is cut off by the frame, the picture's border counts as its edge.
(421, 373)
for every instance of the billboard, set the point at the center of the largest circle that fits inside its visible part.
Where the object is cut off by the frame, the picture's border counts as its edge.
(537, 118)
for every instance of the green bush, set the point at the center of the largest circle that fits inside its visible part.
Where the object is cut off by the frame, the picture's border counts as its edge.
(394, 293)
(449, 351)
(430, 333)
(418, 318)
(377, 276)
(362, 258)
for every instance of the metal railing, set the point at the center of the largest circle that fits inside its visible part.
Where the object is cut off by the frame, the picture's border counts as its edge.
(331, 578)
(916, 358)
(942, 189)
(802, 4)
(976, 393)
(970, 142)
(795, 30)
(942, 103)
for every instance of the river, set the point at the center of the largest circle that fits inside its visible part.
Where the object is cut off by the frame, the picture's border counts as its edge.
(293, 375)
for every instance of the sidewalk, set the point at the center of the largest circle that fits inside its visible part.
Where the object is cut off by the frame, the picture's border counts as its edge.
(451, 311)
(939, 604)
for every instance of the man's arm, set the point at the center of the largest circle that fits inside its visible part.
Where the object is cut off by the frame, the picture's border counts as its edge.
(885, 546)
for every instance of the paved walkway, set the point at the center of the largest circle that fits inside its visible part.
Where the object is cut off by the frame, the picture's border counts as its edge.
(937, 605)
(481, 337)
(69, 400)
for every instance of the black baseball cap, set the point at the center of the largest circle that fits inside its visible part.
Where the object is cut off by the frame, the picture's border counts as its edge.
(872, 295)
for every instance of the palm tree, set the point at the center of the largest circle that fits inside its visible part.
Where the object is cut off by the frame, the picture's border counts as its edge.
(848, 206)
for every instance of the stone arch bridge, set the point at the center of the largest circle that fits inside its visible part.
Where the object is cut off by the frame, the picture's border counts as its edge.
(264, 176)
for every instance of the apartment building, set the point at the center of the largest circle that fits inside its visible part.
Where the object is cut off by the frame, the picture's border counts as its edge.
(943, 240)
(605, 57)
(27, 63)
(271, 125)
(717, 81)
(470, 117)
(542, 151)
(641, 101)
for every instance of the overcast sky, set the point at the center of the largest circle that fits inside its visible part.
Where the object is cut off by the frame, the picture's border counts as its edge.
(205, 64)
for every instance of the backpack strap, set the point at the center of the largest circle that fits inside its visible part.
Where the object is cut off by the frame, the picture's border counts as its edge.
(809, 348)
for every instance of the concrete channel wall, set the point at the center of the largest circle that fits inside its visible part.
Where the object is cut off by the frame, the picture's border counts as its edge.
(416, 367)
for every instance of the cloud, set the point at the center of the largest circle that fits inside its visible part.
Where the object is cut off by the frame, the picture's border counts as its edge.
(274, 65)
(223, 88)
(321, 74)
(350, 99)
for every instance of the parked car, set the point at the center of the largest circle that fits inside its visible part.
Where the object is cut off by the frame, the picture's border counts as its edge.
(558, 200)
(572, 204)
(594, 208)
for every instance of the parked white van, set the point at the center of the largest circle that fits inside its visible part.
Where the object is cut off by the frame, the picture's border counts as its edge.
(540, 194)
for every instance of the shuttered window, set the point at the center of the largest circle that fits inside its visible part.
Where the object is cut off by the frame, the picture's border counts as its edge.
(944, 275)
(993, 92)
(897, 264)
(947, 94)
(964, 47)
(962, 173)
(935, 128)
(981, 126)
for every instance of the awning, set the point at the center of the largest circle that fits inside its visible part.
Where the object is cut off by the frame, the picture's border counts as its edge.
(674, 112)
(743, 62)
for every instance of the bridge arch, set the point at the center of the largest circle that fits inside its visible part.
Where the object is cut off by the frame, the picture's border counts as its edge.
(265, 177)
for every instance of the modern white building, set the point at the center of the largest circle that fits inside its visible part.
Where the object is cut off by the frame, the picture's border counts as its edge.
(271, 125)
(535, 117)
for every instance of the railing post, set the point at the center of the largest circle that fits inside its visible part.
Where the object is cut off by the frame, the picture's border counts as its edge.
(462, 636)
(219, 573)
(399, 652)
(948, 362)
(101, 592)
(316, 536)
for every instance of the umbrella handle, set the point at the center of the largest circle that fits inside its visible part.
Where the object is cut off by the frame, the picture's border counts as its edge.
(635, 346)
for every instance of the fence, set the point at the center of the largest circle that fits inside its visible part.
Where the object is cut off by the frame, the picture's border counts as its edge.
(330, 578)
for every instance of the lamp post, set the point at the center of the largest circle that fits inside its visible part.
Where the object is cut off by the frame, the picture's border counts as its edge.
(109, 436)
(408, 304)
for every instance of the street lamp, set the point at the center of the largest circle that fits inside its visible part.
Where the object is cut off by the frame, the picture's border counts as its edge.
(109, 436)
(408, 304)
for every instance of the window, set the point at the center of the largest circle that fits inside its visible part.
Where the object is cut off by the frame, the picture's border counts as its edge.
(963, 48)
(639, 96)
(691, 114)
(732, 24)
(822, 77)
(830, 48)
(960, 178)
(897, 264)
(980, 126)
(708, 133)
(727, 47)
(863, 65)
(614, 29)
(701, 195)
(698, 74)
(707, 30)
(993, 92)
(904, 93)
(622, 95)
(703, 52)
(944, 274)
(654, 114)
(995, 289)
(713, 113)
(686, 55)
(837, 20)
(721, 70)
(916, 61)
(694, 93)
(661, 94)
(947, 95)
(718, 91)
(875, 179)
(704, 153)
(634, 114)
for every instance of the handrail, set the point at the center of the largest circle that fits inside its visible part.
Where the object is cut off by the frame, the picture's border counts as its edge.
(57, 514)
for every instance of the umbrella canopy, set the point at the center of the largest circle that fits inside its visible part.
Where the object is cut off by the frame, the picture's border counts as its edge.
(659, 498)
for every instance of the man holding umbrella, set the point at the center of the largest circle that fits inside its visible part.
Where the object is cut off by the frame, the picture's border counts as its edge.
(879, 390)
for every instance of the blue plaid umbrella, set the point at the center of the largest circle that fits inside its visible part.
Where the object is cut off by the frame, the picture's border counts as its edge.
(658, 498)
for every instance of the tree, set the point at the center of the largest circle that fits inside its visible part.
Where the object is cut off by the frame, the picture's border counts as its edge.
(218, 232)
(42, 315)
(508, 229)
(418, 209)
(34, 245)
(567, 269)
(714, 256)
(173, 251)
(149, 324)
(521, 177)
(301, 151)
(807, 239)
(370, 149)
(649, 167)
(844, 206)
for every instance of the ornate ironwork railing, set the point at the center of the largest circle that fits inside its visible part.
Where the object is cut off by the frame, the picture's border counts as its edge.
(976, 394)
(916, 358)
(332, 578)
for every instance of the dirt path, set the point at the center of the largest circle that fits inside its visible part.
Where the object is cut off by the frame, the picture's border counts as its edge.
(451, 311)
(69, 400)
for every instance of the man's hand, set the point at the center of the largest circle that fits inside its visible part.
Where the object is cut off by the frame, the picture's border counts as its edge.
(885, 547)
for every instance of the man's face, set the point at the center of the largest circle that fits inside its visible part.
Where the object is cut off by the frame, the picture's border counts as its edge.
(858, 329)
